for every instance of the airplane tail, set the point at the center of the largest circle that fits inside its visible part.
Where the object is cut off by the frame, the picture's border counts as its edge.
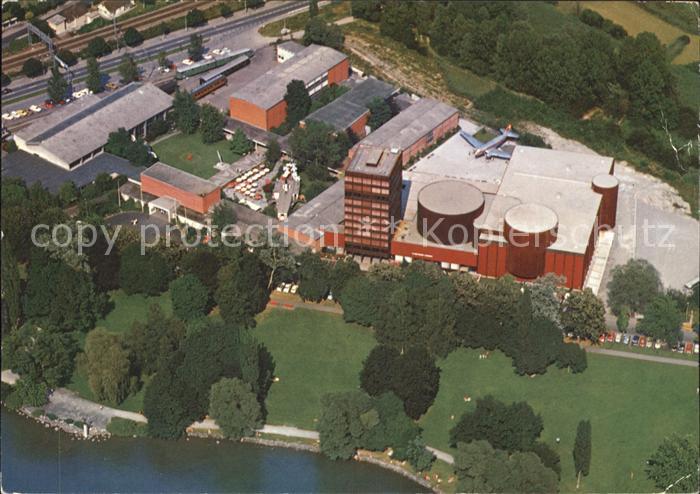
(510, 133)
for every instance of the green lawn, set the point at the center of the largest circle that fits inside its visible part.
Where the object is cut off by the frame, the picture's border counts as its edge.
(189, 153)
(130, 308)
(632, 404)
(315, 353)
(79, 384)
(688, 87)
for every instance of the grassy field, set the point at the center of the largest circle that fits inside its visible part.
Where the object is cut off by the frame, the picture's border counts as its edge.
(688, 87)
(636, 19)
(465, 82)
(632, 404)
(130, 308)
(329, 13)
(188, 153)
(79, 384)
(683, 15)
(315, 353)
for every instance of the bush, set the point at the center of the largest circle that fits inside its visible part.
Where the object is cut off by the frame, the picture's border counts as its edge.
(33, 68)
(156, 129)
(68, 57)
(126, 428)
(51, 416)
(13, 401)
(132, 37)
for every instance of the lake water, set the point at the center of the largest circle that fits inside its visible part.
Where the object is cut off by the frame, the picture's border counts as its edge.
(36, 459)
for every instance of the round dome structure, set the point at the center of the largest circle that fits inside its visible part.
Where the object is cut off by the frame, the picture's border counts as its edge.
(447, 210)
(607, 186)
(529, 230)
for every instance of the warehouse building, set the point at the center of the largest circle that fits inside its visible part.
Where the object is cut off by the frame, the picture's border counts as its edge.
(416, 128)
(261, 104)
(349, 111)
(73, 134)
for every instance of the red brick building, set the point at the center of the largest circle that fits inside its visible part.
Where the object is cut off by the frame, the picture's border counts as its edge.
(372, 201)
(261, 104)
(185, 189)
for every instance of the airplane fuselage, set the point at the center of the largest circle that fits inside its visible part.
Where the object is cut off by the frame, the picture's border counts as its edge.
(493, 143)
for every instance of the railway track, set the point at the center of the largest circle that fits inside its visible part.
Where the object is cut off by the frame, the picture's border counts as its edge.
(76, 43)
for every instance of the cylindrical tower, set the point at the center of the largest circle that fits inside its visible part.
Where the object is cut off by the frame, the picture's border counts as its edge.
(447, 210)
(607, 186)
(529, 230)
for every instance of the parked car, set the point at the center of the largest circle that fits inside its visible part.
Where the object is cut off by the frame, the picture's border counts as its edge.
(696, 348)
(35, 108)
(611, 337)
(635, 340)
(689, 347)
(111, 86)
(601, 338)
(49, 103)
(7, 116)
(643, 342)
(6, 90)
(657, 344)
(618, 337)
(650, 342)
(626, 339)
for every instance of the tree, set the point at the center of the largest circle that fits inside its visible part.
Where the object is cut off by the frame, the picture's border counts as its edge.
(196, 48)
(273, 153)
(225, 10)
(572, 357)
(94, 77)
(97, 47)
(108, 366)
(68, 57)
(398, 21)
(68, 193)
(314, 277)
(379, 113)
(151, 342)
(163, 61)
(361, 300)
(674, 465)
(543, 294)
(313, 8)
(30, 393)
(223, 215)
(240, 144)
(119, 143)
(584, 315)
(148, 273)
(11, 289)
(634, 285)
(344, 422)
(128, 70)
(186, 112)
(376, 376)
(66, 297)
(317, 31)
(341, 272)
(582, 450)
(536, 343)
(32, 68)
(275, 254)
(242, 291)
(662, 320)
(513, 427)
(40, 355)
(235, 408)
(298, 101)
(317, 146)
(623, 319)
(211, 124)
(195, 17)
(369, 10)
(132, 37)
(202, 263)
(481, 468)
(392, 428)
(190, 297)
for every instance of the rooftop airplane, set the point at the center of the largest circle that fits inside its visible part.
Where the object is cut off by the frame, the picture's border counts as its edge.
(491, 149)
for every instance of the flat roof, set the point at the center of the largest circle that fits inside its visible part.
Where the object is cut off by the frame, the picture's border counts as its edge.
(373, 160)
(343, 111)
(411, 124)
(291, 46)
(451, 197)
(75, 130)
(31, 168)
(308, 64)
(324, 210)
(180, 179)
(559, 180)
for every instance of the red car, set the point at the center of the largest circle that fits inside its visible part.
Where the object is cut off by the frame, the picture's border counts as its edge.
(49, 103)
(643, 342)
(601, 339)
(611, 337)
(689, 347)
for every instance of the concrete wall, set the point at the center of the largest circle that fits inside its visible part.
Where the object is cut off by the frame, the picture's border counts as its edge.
(201, 204)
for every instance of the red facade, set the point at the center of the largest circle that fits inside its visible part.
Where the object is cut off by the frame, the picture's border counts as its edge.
(200, 204)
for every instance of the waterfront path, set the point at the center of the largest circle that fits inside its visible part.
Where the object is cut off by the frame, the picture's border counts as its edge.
(642, 356)
(67, 404)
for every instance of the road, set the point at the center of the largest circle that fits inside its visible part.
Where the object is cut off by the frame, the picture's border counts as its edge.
(641, 356)
(150, 49)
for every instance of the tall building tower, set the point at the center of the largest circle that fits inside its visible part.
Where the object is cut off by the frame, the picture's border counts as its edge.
(372, 200)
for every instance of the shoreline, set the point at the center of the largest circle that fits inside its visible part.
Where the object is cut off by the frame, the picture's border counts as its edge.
(94, 435)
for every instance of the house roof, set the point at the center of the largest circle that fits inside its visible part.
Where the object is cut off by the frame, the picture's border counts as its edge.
(373, 160)
(77, 129)
(179, 179)
(310, 63)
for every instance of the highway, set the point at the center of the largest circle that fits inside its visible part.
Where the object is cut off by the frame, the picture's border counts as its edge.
(173, 41)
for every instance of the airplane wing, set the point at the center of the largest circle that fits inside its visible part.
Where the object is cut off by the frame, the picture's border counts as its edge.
(471, 139)
(498, 153)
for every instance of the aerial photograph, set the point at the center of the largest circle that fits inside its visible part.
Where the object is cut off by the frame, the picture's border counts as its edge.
(350, 246)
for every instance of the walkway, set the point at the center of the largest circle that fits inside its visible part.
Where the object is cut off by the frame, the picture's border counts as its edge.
(641, 356)
(67, 404)
(280, 302)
